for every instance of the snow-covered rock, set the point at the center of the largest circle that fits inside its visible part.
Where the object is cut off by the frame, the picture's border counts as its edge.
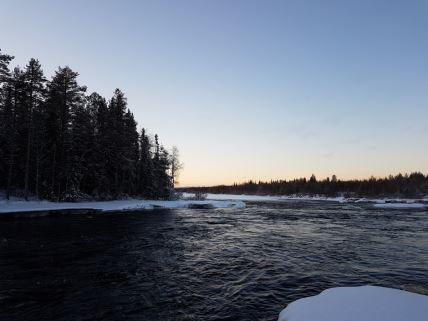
(365, 303)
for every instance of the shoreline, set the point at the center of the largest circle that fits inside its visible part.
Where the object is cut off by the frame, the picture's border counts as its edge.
(34, 208)
(37, 208)
(338, 199)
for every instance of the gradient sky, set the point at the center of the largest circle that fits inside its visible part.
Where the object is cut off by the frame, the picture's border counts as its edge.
(249, 89)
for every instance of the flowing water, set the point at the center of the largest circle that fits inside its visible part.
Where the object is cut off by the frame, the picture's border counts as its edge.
(231, 264)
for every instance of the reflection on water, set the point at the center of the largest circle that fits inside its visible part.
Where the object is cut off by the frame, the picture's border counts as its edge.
(240, 264)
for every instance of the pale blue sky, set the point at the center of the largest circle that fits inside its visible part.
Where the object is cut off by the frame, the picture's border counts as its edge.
(249, 89)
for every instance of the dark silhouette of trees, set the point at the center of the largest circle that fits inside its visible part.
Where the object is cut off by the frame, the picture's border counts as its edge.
(60, 144)
(414, 185)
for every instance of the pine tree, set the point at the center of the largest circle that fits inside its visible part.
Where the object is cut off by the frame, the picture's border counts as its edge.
(165, 180)
(4, 67)
(64, 97)
(117, 108)
(5, 111)
(162, 181)
(14, 116)
(8, 139)
(96, 181)
(146, 172)
(130, 154)
(34, 90)
(82, 143)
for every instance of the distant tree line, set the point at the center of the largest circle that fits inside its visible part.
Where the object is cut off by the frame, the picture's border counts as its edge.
(58, 143)
(413, 186)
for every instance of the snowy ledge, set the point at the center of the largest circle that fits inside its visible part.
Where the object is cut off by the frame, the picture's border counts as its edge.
(386, 203)
(365, 303)
(20, 206)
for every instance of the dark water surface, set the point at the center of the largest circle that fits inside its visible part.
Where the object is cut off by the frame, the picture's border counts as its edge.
(241, 264)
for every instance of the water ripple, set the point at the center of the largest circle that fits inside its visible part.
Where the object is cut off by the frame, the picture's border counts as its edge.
(225, 264)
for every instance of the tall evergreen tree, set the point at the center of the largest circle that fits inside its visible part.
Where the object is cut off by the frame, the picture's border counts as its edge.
(130, 154)
(96, 182)
(5, 111)
(117, 108)
(145, 168)
(65, 97)
(34, 89)
(14, 115)
(162, 181)
(82, 143)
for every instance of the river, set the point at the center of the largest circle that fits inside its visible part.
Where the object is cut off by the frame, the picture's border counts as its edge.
(188, 264)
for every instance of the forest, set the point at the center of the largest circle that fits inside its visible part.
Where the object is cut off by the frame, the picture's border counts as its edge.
(414, 185)
(58, 143)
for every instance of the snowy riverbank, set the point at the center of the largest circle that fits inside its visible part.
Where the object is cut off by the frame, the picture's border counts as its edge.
(365, 303)
(16, 205)
(212, 201)
(387, 203)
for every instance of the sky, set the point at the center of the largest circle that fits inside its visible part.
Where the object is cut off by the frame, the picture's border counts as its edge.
(251, 89)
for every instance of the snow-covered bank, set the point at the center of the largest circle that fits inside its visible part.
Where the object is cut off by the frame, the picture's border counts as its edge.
(267, 198)
(212, 201)
(379, 202)
(122, 205)
(365, 303)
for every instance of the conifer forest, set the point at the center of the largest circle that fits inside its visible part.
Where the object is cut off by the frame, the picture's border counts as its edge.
(59, 142)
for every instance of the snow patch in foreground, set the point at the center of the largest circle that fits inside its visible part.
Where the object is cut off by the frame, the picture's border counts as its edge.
(122, 205)
(365, 303)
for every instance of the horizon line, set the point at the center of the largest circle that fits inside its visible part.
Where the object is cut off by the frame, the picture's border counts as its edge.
(307, 178)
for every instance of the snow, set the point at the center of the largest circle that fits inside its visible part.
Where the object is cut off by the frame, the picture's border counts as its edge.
(267, 198)
(380, 203)
(399, 205)
(212, 201)
(365, 303)
(122, 205)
